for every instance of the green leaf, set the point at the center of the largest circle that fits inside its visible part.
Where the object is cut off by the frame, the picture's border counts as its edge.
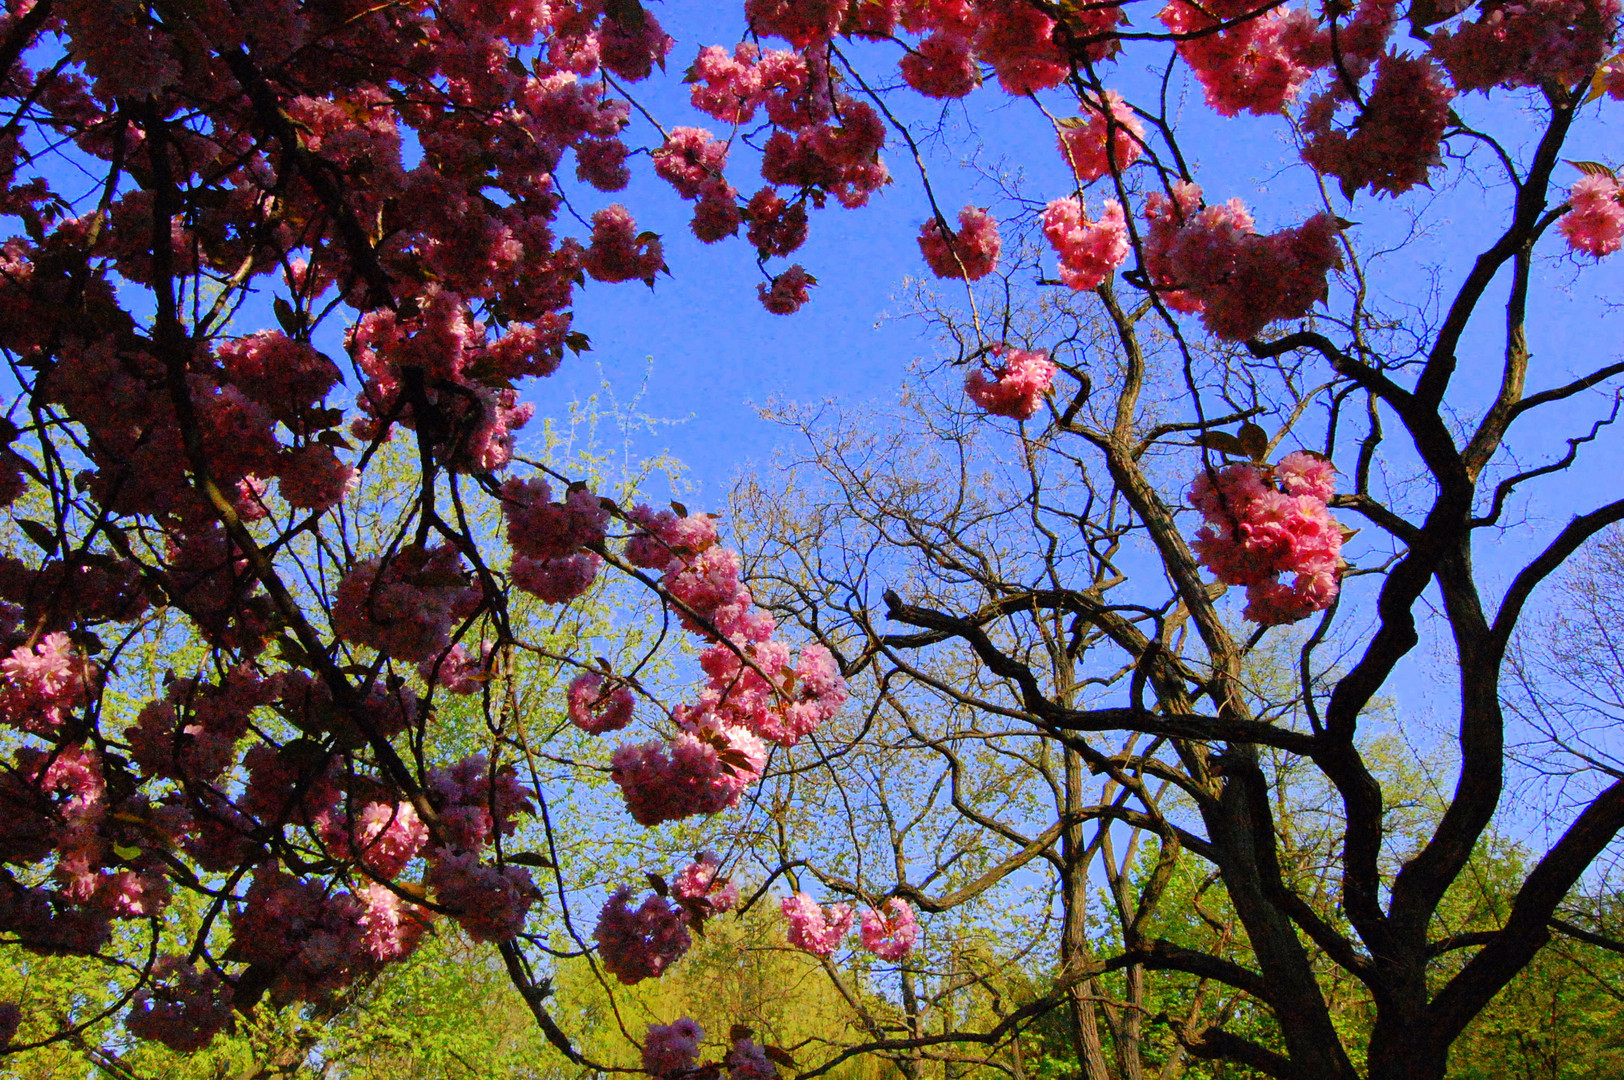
(290, 319)
(39, 532)
(1254, 440)
(126, 853)
(1223, 442)
(529, 858)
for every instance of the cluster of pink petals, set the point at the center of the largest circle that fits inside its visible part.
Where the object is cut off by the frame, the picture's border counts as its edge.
(490, 903)
(746, 1060)
(474, 805)
(788, 290)
(1595, 224)
(703, 769)
(382, 836)
(597, 705)
(701, 888)
(1528, 43)
(457, 671)
(816, 929)
(1211, 259)
(942, 65)
(1263, 523)
(970, 254)
(1089, 250)
(1106, 142)
(890, 930)
(182, 1007)
(618, 252)
(43, 685)
(1258, 65)
(670, 1049)
(1395, 142)
(404, 606)
(640, 943)
(552, 541)
(1016, 386)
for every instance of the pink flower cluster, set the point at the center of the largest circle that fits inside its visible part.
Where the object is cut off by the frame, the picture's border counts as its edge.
(1395, 142)
(552, 541)
(670, 1049)
(788, 290)
(405, 605)
(597, 705)
(619, 252)
(43, 685)
(813, 928)
(1258, 65)
(1528, 43)
(1016, 386)
(888, 932)
(1212, 260)
(702, 891)
(1595, 224)
(824, 143)
(1089, 250)
(970, 254)
(182, 1007)
(1109, 140)
(754, 690)
(637, 944)
(1262, 523)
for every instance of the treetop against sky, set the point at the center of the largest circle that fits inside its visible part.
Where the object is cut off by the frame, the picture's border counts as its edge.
(1227, 280)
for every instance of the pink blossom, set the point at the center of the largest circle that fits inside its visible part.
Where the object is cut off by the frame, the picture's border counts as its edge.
(596, 706)
(745, 1060)
(689, 159)
(1395, 143)
(707, 893)
(639, 944)
(941, 66)
(44, 684)
(312, 478)
(776, 227)
(602, 163)
(489, 902)
(800, 22)
(1528, 43)
(474, 805)
(1255, 532)
(1258, 66)
(183, 1007)
(1595, 224)
(890, 931)
(556, 581)
(1110, 139)
(383, 837)
(1016, 386)
(788, 291)
(971, 253)
(703, 769)
(457, 671)
(662, 537)
(391, 927)
(405, 608)
(815, 929)
(619, 252)
(1089, 250)
(1211, 259)
(669, 1049)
